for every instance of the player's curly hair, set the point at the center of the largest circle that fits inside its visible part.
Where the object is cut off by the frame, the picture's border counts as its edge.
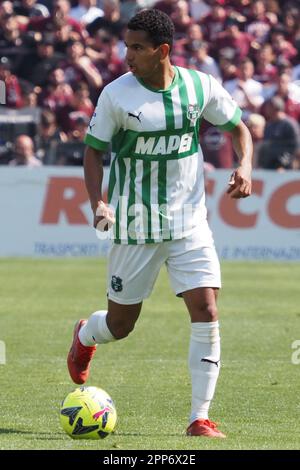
(156, 23)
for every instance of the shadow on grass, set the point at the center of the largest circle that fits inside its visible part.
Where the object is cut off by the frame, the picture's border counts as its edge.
(31, 433)
(59, 437)
(149, 434)
(13, 431)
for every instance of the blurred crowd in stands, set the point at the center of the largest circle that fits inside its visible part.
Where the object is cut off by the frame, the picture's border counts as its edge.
(56, 57)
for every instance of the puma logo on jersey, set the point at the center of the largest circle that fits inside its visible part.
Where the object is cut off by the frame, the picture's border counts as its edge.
(204, 359)
(164, 145)
(136, 116)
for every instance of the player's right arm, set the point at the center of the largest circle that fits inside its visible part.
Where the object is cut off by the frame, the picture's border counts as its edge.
(93, 176)
(103, 125)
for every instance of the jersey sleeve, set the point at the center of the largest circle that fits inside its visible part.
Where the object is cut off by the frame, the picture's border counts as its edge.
(103, 124)
(221, 110)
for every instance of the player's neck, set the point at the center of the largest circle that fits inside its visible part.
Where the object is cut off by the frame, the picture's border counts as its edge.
(162, 78)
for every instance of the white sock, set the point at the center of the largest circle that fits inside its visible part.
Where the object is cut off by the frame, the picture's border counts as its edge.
(204, 344)
(95, 331)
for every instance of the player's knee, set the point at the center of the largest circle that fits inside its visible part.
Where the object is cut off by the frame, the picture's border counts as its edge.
(206, 312)
(210, 312)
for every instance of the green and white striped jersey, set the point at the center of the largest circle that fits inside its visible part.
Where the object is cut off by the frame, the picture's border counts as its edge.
(156, 182)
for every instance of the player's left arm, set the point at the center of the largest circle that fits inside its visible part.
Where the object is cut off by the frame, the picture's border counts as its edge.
(240, 181)
(222, 111)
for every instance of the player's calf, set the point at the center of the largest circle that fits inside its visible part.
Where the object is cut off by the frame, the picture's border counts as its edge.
(121, 318)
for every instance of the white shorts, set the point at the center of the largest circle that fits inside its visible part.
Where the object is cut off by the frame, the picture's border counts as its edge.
(191, 262)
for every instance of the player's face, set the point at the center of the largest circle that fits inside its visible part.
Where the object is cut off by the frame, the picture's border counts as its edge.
(142, 56)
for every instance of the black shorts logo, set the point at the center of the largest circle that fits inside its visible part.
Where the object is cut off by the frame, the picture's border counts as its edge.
(116, 284)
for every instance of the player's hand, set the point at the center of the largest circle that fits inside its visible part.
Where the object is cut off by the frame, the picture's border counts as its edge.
(240, 183)
(104, 217)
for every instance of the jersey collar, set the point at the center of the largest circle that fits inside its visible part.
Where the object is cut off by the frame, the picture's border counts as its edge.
(166, 90)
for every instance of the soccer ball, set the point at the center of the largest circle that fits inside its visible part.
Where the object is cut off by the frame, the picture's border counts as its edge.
(88, 413)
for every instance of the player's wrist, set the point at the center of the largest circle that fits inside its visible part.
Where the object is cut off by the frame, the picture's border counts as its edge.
(104, 213)
(246, 165)
(95, 205)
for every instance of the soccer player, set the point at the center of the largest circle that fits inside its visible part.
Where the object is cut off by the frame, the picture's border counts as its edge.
(151, 115)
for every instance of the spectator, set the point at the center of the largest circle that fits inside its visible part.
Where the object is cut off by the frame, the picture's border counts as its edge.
(180, 50)
(86, 11)
(70, 153)
(30, 96)
(10, 33)
(78, 131)
(284, 66)
(6, 8)
(291, 19)
(272, 7)
(229, 69)
(247, 92)
(37, 66)
(53, 62)
(108, 63)
(216, 146)
(30, 9)
(48, 4)
(242, 7)
(14, 97)
(199, 9)
(200, 60)
(167, 6)
(283, 49)
(214, 22)
(289, 92)
(181, 19)
(256, 124)
(130, 7)
(79, 103)
(62, 34)
(258, 24)
(194, 32)
(281, 137)
(59, 20)
(15, 43)
(48, 136)
(24, 152)
(111, 21)
(265, 70)
(234, 39)
(79, 67)
(57, 93)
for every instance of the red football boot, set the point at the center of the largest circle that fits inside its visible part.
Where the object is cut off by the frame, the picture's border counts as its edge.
(79, 357)
(204, 427)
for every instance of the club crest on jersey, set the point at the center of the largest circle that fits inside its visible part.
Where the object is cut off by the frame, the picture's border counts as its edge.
(116, 284)
(193, 113)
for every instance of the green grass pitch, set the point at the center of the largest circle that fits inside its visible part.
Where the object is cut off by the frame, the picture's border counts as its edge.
(257, 397)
